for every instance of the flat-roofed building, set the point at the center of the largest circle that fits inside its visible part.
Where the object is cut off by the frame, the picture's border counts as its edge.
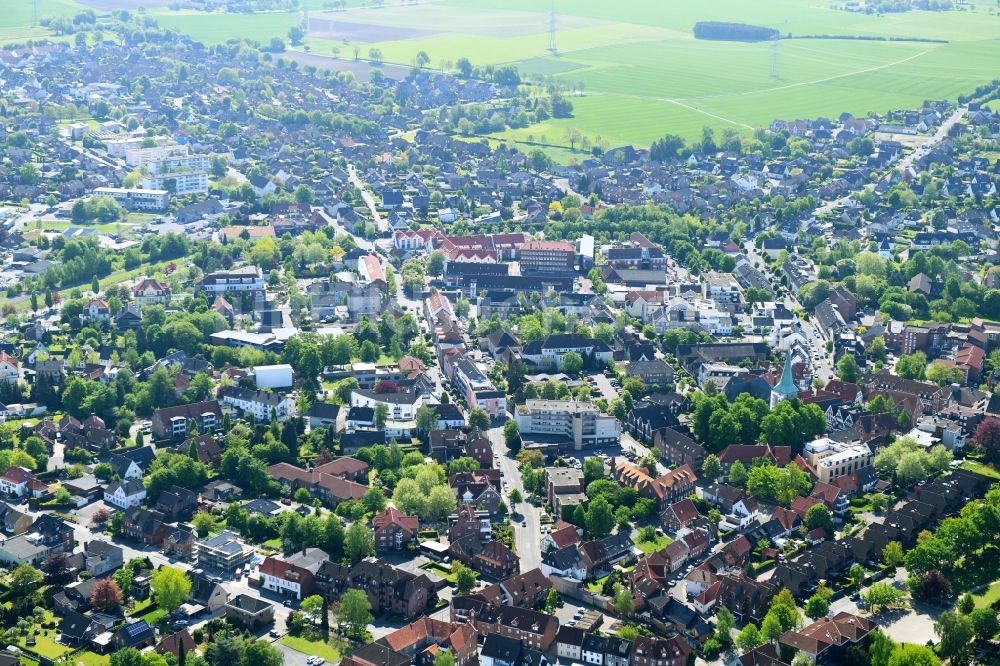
(581, 424)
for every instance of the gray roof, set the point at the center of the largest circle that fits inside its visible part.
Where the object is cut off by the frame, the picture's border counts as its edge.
(22, 548)
(226, 541)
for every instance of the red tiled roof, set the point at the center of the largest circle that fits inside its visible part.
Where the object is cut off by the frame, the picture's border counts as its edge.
(18, 475)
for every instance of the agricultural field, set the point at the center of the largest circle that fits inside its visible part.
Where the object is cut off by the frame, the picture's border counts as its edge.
(642, 74)
(634, 67)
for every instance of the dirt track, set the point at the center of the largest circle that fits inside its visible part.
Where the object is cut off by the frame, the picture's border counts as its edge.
(361, 69)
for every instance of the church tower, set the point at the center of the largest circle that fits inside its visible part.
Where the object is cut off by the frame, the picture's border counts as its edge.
(785, 389)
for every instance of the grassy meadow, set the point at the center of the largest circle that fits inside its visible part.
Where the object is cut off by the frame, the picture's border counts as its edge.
(641, 72)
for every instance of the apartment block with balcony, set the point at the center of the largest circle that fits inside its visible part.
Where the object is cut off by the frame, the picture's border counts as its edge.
(579, 425)
(223, 552)
(832, 460)
(220, 283)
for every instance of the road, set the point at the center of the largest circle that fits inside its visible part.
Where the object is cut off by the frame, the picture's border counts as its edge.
(821, 361)
(527, 538)
(381, 223)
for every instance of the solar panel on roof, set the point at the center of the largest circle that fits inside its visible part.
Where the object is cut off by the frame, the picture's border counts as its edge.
(136, 628)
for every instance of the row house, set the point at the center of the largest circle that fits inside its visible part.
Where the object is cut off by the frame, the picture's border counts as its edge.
(537, 630)
(671, 487)
(331, 488)
(293, 575)
(390, 590)
(491, 558)
(421, 641)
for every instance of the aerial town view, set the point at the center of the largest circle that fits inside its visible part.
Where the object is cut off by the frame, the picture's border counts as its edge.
(499, 333)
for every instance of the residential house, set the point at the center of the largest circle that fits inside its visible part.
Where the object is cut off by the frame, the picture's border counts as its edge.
(151, 292)
(172, 422)
(827, 639)
(650, 651)
(394, 529)
(390, 590)
(125, 494)
(207, 592)
(263, 405)
(250, 612)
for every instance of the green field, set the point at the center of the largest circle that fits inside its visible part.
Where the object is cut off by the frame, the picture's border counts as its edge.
(641, 72)
(217, 27)
(18, 13)
(644, 75)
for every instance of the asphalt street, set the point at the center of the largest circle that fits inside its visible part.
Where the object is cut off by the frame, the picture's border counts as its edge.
(527, 530)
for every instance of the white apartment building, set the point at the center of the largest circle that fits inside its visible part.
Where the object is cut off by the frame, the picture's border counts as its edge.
(581, 423)
(259, 403)
(832, 460)
(175, 163)
(178, 182)
(401, 406)
(120, 147)
(136, 199)
(224, 552)
(142, 157)
(220, 283)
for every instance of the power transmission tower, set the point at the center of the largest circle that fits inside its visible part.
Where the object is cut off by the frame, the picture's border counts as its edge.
(774, 59)
(305, 17)
(552, 30)
(34, 13)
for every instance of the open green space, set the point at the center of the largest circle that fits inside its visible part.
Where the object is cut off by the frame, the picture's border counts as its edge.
(647, 547)
(644, 75)
(981, 468)
(641, 71)
(316, 648)
(988, 597)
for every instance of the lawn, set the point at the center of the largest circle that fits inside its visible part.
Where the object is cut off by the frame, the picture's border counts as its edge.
(597, 586)
(662, 541)
(89, 658)
(988, 597)
(45, 645)
(441, 570)
(981, 468)
(317, 648)
(141, 606)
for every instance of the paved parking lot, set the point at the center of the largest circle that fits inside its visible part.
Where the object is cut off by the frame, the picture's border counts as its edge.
(608, 392)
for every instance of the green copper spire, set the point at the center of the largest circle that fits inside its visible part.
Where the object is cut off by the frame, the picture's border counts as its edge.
(786, 387)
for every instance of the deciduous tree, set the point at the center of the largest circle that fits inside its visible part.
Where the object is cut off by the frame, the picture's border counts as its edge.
(355, 612)
(106, 596)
